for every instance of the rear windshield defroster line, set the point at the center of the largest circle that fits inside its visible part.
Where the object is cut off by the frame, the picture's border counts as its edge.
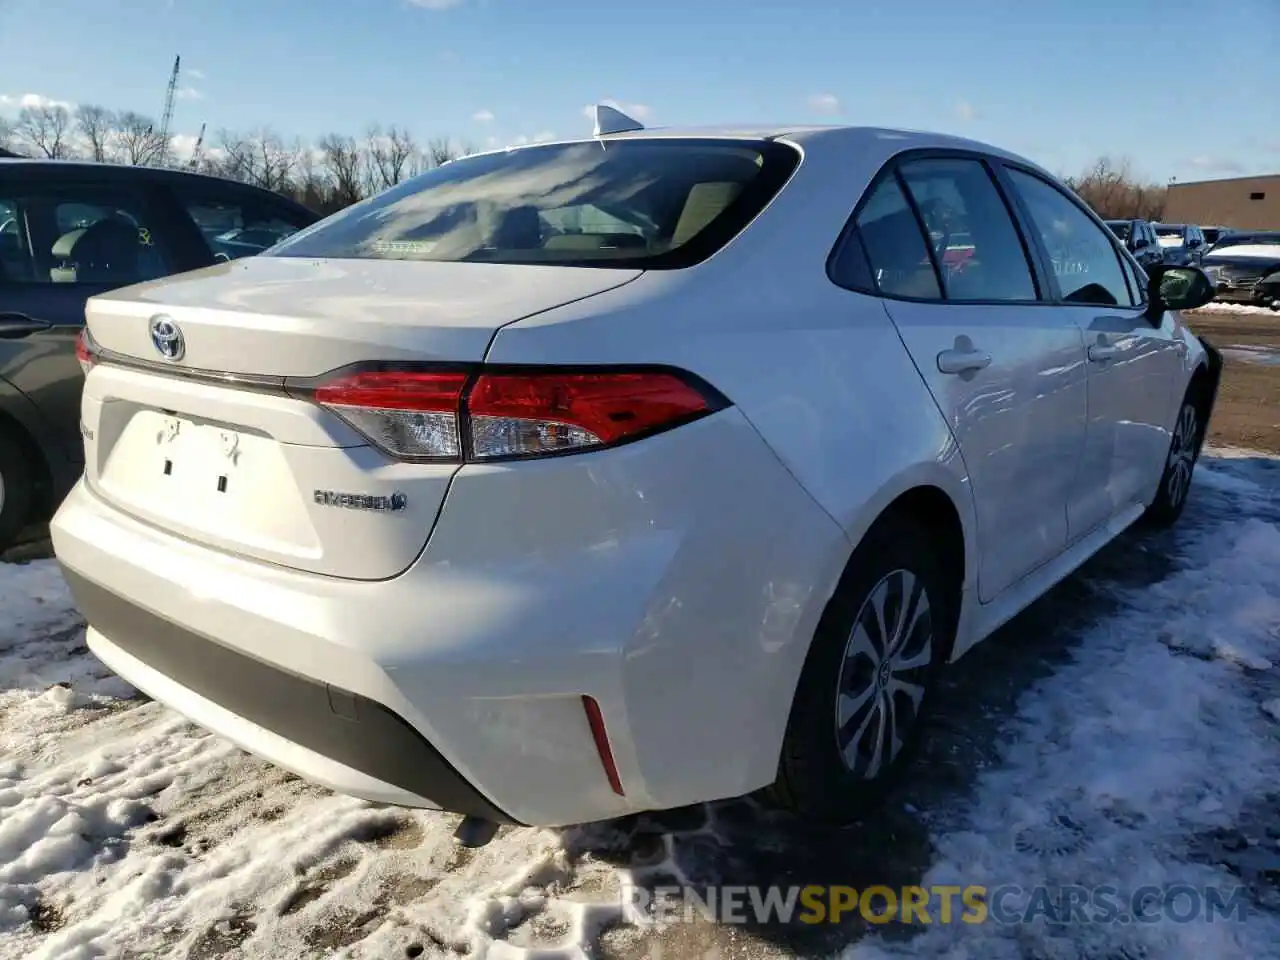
(623, 204)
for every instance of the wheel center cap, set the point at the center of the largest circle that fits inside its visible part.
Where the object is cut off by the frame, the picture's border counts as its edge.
(882, 675)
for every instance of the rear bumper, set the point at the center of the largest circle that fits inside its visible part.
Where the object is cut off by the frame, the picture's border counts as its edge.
(315, 729)
(677, 581)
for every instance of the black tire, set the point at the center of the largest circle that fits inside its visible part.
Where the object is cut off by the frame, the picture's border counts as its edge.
(814, 779)
(1180, 463)
(16, 488)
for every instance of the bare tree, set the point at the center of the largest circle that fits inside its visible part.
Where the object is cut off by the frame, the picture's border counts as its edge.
(440, 151)
(137, 141)
(259, 158)
(46, 129)
(390, 156)
(308, 182)
(98, 127)
(327, 175)
(343, 165)
(1110, 187)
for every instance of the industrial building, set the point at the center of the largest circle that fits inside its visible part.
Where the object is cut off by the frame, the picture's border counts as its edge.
(1245, 203)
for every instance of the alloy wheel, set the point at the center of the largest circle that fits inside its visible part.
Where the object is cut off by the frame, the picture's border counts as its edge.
(883, 673)
(1182, 454)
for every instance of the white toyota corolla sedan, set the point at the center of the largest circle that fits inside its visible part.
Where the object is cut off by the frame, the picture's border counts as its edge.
(585, 478)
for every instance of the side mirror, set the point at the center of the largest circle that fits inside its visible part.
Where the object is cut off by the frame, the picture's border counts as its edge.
(1180, 288)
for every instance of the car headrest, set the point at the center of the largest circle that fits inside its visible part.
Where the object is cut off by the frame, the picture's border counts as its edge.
(66, 243)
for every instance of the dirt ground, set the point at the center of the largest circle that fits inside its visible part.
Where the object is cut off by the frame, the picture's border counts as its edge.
(1248, 410)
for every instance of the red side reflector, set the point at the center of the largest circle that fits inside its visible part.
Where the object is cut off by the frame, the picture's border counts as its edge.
(595, 719)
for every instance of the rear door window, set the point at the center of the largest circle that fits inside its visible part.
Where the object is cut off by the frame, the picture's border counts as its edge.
(975, 242)
(660, 203)
(79, 233)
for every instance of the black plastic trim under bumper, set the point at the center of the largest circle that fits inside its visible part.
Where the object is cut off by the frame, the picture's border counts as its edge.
(343, 726)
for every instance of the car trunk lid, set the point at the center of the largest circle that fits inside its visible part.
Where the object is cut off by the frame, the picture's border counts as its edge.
(209, 446)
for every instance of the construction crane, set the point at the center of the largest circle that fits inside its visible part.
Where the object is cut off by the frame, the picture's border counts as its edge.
(167, 118)
(194, 162)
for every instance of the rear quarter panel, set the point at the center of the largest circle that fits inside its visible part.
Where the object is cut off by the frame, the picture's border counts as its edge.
(819, 371)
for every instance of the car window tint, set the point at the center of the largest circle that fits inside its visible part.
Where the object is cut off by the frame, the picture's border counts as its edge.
(235, 226)
(895, 245)
(77, 233)
(16, 263)
(662, 203)
(974, 240)
(849, 267)
(1085, 261)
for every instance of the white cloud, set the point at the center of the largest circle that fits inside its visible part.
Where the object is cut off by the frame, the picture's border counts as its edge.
(189, 93)
(181, 146)
(195, 74)
(1216, 164)
(965, 111)
(827, 103)
(543, 136)
(435, 4)
(483, 116)
(639, 111)
(35, 100)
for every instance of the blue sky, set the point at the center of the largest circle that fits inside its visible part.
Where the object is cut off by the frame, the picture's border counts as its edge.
(1183, 89)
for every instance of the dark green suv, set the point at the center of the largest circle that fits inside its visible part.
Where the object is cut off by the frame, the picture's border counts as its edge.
(68, 231)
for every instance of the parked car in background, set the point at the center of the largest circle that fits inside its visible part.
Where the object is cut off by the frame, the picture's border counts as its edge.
(695, 494)
(1213, 234)
(1183, 243)
(71, 230)
(1245, 267)
(1139, 238)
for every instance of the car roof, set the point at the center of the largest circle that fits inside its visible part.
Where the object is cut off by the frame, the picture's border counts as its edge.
(126, 172)
(886, 141)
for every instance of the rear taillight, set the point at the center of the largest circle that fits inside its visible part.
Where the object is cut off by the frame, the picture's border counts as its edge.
(86, 350)
(495, 414)
(412, 415)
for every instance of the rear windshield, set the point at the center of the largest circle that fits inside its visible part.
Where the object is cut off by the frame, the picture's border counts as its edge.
(613, 203)
(1169, 231)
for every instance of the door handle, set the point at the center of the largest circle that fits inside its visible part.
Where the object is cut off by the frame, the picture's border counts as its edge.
(963, 358)
(1101, 352)
(15, 326)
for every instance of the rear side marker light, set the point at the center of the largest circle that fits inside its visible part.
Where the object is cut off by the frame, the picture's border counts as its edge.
(492, 414)
(595, 720)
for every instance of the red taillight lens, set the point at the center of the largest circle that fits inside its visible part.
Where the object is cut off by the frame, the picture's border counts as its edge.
(413, 415)
(518, 415)
(86, 350)
(494, 414)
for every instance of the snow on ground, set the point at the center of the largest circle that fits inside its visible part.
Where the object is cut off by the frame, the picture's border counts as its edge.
(1223, 306)
(1148, 752)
